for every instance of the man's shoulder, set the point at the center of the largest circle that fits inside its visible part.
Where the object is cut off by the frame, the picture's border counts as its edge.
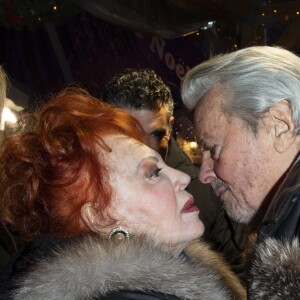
(283, 214)
(177, 159)
(284, 225)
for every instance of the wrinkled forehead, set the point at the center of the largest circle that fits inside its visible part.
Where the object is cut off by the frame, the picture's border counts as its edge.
(208, 113)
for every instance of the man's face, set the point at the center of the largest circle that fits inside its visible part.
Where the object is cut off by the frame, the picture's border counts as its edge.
(157, 128)
(241, 167)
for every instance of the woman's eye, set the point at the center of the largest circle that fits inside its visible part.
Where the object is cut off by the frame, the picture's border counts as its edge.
(155, 173)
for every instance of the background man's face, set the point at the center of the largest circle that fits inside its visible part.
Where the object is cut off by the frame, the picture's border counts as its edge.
(157, 128)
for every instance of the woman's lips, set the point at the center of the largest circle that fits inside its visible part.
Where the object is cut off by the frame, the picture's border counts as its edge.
(189, 207)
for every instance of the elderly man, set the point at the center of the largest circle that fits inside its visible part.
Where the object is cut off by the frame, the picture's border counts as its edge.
(247, 117)
(145, 96)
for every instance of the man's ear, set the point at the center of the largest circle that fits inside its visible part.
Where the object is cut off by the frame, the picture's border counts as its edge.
(90, 217)
(283, 125)
(171, 121)
(169, 129)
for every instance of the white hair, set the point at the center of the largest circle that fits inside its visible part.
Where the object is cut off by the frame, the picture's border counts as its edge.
(253, 78)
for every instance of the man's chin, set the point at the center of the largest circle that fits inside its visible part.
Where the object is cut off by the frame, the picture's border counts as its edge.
(239, 215)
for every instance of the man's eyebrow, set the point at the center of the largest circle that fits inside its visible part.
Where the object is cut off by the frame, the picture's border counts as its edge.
(205, 136)
(204, 140)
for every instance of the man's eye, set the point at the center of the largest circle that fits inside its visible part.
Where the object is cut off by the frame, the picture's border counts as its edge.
(155, 173)
(212, 150)
(158, 134)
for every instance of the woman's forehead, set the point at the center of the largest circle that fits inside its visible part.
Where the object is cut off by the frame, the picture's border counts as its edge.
(127, 155)
(120, 142)
(124, 148)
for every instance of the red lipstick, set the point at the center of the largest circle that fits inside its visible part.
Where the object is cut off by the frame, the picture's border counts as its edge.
(189, 207)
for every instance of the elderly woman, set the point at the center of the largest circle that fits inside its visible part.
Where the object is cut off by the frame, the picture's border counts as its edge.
(106, 217)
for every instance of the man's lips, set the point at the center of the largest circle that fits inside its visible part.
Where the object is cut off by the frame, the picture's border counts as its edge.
(189, 207)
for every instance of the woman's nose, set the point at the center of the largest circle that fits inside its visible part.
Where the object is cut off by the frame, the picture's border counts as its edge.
(180, 180)
(207, 173)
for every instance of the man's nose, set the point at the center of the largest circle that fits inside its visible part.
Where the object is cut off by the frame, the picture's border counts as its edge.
(207, 174)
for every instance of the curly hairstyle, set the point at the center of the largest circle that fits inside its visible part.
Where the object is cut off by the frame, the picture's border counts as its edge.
(53, 165)
(138, 89)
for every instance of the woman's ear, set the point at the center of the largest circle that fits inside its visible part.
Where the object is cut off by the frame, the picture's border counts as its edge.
(283, 125)
(90, 217)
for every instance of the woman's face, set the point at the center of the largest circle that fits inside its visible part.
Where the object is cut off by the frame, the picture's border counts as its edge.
(149, 196)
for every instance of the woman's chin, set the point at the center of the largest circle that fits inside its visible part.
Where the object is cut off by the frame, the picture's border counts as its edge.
(202, 229)
(195, 232)
(198, 230)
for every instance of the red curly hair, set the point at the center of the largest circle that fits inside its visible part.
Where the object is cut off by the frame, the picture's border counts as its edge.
(53, 166)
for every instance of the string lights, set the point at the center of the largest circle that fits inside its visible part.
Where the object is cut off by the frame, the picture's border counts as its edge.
(269, 16)
(31, 14)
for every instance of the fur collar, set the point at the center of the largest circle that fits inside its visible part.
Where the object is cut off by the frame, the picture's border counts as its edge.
(275, 271)
(95, 267)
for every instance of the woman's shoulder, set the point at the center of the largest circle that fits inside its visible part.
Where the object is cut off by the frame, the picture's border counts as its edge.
(200, 253)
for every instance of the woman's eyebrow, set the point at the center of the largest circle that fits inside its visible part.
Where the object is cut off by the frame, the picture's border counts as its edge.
(151, 157)
(148, 158)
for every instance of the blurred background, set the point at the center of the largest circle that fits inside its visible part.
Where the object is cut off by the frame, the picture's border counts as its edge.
(48, 44)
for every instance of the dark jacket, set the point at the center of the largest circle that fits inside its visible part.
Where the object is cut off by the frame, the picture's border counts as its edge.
(281, 220)
(275, 270)
(27, 255)
(224, 235)
(95, 268)
(10, 242)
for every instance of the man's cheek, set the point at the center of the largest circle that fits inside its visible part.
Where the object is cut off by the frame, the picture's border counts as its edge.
(164, 142)
(153, 144)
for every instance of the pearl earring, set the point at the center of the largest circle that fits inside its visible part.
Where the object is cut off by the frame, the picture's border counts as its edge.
(119, 235)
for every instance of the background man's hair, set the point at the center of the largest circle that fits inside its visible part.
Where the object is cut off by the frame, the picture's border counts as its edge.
(138, 89)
